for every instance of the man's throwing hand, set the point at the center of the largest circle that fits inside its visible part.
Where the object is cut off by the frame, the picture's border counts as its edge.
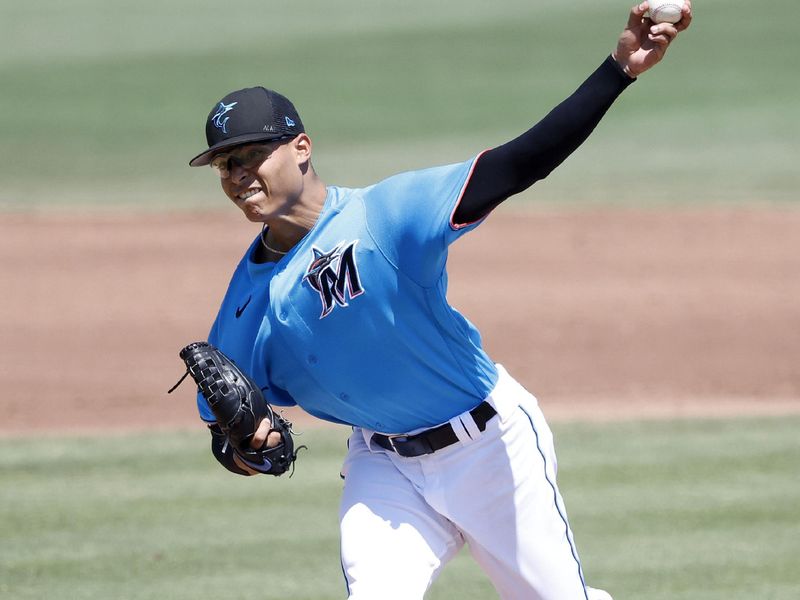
(643, 43)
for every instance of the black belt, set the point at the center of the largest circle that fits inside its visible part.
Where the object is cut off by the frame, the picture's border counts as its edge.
(431, 440)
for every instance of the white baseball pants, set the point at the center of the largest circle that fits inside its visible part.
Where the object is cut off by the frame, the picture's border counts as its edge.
(402, 519)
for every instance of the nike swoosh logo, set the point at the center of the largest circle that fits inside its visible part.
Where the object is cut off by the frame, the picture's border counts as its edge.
(240, 310)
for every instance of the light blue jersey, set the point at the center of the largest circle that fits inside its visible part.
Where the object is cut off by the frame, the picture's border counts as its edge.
(353, 323)
(239, 318)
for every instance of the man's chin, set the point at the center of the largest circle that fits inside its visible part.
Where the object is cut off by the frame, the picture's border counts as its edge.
(252, 215)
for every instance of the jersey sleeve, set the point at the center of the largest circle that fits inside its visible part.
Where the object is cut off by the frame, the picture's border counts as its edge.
(202, 406)
(205, 412)
(410, 217)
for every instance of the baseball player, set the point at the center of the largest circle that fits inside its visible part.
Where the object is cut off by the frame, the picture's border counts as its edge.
(339, 306)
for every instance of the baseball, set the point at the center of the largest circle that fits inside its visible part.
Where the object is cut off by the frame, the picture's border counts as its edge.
(665, 11)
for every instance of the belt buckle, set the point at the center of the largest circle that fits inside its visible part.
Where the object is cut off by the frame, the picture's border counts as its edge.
(391, 439)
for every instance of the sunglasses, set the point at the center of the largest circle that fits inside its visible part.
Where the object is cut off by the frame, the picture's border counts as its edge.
(247, 157)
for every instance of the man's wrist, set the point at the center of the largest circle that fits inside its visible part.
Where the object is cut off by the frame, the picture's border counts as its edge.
(623, 68)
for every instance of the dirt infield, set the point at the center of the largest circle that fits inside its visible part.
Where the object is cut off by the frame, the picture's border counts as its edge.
(601, 313)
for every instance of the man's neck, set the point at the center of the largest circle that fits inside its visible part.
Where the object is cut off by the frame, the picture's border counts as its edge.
(287, 230)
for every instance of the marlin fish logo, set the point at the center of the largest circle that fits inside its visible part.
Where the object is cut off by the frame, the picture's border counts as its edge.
(334, 275)
(217, 119)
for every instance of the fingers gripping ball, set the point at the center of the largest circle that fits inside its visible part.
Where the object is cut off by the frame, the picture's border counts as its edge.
(239, 407)
(665, 11)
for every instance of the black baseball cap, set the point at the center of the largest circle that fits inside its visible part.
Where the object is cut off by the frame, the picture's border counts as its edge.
(248, 115)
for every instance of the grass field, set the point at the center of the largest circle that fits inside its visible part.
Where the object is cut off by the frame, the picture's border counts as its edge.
(103, 102)
(663, 510)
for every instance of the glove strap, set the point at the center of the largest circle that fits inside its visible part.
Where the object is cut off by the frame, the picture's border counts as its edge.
(180, 381)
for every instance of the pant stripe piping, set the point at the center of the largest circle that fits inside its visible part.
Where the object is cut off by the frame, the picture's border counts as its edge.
(344, 574)
(558, 508)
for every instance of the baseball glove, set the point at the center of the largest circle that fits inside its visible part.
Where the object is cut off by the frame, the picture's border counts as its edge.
(239, 407)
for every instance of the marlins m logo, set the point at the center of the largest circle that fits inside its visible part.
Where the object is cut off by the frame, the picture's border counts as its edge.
(333, 274)
(222, 110)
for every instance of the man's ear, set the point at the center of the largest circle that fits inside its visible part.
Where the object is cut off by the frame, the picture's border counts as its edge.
(302, 148)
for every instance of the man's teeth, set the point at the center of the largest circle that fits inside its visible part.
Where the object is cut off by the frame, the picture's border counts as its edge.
(248, 193)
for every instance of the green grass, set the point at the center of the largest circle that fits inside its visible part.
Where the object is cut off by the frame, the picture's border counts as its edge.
(694, 510)
(698, 510)
(103, 102)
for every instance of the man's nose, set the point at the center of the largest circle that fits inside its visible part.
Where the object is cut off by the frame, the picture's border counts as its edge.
(238, 173)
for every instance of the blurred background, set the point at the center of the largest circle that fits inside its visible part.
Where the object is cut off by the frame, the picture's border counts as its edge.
(103, 103)
(107, 235)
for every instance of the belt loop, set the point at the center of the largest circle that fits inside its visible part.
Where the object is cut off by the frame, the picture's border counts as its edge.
(367, 434)
(459, 429)
(473, 431)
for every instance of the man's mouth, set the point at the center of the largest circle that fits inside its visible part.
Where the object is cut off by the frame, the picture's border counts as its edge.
(247, 194)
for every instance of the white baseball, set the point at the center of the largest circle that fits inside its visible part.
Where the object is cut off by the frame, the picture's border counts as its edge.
(665, 11)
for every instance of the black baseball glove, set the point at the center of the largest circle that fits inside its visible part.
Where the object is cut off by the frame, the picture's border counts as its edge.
(239, 407)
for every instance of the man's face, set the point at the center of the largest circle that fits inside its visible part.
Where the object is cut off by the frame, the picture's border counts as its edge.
(261, 179)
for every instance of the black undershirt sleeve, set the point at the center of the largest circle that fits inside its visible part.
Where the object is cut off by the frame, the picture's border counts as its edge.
(516, 165)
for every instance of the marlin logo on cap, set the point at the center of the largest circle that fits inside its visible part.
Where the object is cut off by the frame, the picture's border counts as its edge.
(217, 119)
